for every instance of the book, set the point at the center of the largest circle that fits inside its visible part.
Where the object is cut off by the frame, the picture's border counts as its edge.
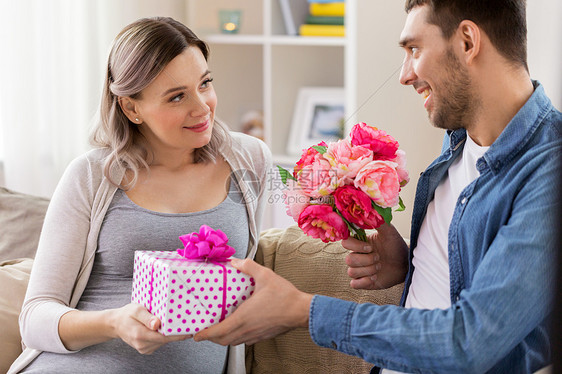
(327, 9)
(324, 20)
(288, 20)
(321, 30)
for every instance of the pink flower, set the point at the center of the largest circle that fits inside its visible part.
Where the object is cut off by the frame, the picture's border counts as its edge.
(339, 188)
(308, 156)
(317, 178)
(295, 199)
(347, 160)
(355, 206)
(320, 221)
(383, 145)
(207, 244)
(380, 181)
(400, 160)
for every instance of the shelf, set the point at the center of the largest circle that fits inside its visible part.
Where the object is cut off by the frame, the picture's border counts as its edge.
(235, 39)
(307, 40)
(276, 40)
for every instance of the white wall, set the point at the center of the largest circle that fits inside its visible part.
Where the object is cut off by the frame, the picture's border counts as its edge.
(544, 36)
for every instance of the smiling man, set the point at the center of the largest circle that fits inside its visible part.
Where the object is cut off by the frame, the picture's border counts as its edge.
(480, 267)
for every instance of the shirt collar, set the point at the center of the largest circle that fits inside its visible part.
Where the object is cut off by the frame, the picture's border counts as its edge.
(519, 130)
(515, 135)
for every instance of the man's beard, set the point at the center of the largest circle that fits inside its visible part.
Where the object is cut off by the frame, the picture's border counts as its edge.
(455, 107)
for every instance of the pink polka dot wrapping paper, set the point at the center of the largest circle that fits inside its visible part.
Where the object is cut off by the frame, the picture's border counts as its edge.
(187, 296)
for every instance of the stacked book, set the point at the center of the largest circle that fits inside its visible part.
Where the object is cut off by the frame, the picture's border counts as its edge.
(325, 18)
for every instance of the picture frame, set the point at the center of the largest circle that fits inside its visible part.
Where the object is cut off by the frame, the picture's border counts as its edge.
(319, 115)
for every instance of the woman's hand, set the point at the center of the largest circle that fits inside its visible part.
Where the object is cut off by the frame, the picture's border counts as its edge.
(380, 263)
(137, 327)
(131, 323)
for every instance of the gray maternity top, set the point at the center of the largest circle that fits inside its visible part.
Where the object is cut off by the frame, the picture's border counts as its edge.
(127, 228)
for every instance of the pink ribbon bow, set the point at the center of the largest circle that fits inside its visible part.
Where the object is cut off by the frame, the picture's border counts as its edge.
(208, 244)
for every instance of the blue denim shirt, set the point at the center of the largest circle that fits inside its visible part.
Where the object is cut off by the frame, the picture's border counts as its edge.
(501, 258)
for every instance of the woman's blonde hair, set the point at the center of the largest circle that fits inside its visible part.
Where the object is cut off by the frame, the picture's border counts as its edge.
(139, 53)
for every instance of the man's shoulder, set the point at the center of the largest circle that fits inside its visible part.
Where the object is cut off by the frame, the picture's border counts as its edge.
(553, 123)
(547, 117)
(548, 135)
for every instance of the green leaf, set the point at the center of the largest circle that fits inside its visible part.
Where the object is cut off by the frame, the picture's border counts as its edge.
(386, 213)
(401, 206)
(285, 174)
(320, 148)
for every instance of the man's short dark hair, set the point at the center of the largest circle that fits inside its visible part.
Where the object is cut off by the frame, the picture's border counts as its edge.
(504, 21)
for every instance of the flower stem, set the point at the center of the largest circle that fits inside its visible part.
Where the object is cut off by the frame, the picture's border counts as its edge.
(360, 234)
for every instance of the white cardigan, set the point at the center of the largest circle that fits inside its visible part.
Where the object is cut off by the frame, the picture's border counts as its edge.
(69, 238)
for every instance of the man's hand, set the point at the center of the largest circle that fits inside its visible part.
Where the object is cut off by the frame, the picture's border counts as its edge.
(275, 307)
(380, 263)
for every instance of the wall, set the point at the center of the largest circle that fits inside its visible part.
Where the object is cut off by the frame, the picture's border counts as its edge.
(544, 37)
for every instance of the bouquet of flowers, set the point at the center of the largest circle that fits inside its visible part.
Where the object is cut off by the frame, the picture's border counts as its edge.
(345, 187)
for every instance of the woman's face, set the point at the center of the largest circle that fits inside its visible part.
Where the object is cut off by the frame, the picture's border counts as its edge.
(176, 111)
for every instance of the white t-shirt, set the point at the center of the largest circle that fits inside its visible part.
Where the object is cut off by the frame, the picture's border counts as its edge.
(430, 288)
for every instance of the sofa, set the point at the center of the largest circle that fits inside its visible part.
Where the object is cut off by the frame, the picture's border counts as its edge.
(311, 265)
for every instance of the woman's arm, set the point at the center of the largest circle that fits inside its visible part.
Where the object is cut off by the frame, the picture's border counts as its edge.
(47, 321)
(131, 323)
(60, 253)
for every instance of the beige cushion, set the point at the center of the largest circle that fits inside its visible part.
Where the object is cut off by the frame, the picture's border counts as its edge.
(21, 219)
(14, 276)
(314, 267)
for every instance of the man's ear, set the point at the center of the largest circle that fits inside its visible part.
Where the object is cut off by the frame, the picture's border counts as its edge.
(129, 107)
(470, 36)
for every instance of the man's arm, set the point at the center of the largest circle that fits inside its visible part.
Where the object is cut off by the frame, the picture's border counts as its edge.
(500, 314)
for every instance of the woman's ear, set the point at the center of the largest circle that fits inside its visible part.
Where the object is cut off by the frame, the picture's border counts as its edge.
(470, 36)
(129, 107)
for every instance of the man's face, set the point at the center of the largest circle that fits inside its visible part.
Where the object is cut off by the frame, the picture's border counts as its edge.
(436, 73)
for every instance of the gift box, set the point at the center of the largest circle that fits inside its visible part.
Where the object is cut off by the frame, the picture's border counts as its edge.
(188, 294)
